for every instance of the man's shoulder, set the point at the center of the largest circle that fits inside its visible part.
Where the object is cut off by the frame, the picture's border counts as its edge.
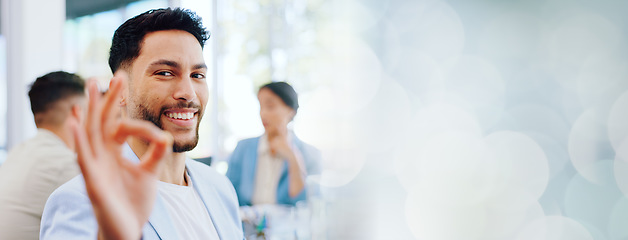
(73, 189)
(70, 194)
(39, 143)
(42, 147)
(68, 213)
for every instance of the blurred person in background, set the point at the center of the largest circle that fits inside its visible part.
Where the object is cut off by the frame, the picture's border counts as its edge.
(136, 180)
(36, 167)
(272, 168)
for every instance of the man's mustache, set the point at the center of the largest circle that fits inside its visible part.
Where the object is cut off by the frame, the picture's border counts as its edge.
(192, 105)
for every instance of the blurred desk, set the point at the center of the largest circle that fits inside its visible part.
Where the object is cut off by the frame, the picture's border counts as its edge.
(304, 221)
(277, 222)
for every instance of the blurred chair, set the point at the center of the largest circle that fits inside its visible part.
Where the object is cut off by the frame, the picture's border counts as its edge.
(206, 160)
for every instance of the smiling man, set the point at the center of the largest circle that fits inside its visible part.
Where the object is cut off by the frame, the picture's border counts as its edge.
(160, 78)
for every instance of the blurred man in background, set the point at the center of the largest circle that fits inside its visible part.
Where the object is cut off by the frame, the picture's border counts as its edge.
(35, 168)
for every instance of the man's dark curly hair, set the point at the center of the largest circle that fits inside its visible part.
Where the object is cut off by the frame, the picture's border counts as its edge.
(127, 40)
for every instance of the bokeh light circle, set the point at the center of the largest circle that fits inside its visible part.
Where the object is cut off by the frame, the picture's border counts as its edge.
(576, 37)
(586, 141)
(457, 167)
(340, 166)
(430, 218)
(621, 167)
(384, 119)
(592, 202)
(522, 162)
(426, 124)
(510, 209)
(581, 34)
(618, 220)
(554, 228)
(361, 16)
(351, 70)
(598, 96)
(479, 84)
(617, 119)
(433, 27)
(511, 35)
(536, 119)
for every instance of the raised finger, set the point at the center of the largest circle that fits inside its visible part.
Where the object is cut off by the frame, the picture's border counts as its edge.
(160, 143)
(157, 150)
(110, 109)
(83, 150)
(92, 123)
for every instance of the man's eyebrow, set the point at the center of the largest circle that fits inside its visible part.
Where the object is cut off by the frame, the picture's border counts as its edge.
(176, 65)
(165, 62)
(200, 66)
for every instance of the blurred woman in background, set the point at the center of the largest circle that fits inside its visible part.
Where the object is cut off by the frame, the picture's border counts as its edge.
(271, 169)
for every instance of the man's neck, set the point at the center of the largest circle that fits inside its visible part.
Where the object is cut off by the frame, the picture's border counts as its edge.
(173, 170)
(64, 133)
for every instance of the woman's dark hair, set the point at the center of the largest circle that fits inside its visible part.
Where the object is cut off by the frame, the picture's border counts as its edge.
(47, 90)
(285, 92)
(126, 42)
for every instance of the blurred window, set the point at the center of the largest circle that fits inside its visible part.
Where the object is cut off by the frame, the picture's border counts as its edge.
(3, 100)
(259, 41)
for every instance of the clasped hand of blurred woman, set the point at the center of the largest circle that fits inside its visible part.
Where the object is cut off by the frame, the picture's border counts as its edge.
(279, 144)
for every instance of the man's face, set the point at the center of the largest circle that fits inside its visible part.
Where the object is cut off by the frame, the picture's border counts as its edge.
(167, 85)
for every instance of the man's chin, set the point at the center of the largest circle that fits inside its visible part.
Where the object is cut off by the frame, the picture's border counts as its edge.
(183, 142)
(183, 147)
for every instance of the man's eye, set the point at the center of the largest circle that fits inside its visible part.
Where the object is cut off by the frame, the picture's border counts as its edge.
(165, 73)
(198, 75)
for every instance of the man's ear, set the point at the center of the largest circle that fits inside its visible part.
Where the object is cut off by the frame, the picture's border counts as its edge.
(125, 92)
(77, 112)
(293, 113)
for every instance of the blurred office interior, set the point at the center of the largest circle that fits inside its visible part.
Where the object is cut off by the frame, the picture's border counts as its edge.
(436, 119)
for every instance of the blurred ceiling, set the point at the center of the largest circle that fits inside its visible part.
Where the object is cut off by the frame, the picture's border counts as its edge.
(78, 8)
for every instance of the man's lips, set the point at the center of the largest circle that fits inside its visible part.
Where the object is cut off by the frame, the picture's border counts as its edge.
(183, 117)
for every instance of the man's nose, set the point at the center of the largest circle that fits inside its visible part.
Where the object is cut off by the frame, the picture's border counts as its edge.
(184, 90)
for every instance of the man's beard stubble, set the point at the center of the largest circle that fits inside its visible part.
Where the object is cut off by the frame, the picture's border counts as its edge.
(146, 114)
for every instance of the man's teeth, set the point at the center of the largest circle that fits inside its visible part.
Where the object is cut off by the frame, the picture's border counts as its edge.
(184, 116)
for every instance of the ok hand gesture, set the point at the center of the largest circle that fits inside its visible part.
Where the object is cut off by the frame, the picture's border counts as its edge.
(122, 193)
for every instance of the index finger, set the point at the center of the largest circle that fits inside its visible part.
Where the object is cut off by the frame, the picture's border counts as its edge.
(160, 142)
(110, 109)
(92, 123)
(83, 151)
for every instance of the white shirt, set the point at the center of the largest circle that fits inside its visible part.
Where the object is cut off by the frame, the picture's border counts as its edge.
(33, 170)
(187, 211)
(267, 174)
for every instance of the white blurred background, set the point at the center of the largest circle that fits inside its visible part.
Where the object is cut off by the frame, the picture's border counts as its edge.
(437, 119)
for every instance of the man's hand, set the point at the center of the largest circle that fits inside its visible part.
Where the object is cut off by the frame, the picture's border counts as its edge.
(122, 193)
